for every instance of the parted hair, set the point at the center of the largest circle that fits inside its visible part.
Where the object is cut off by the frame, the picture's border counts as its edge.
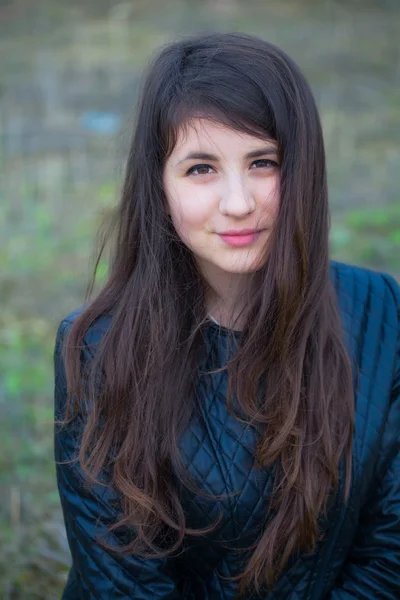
(291, 373)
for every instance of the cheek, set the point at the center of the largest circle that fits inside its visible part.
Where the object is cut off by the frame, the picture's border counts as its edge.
(270, 198)
(190, 208)
(275, 203)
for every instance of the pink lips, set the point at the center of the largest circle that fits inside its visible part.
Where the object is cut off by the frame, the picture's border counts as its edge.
(240, 239)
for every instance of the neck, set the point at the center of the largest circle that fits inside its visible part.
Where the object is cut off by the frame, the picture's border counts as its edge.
(224, 318)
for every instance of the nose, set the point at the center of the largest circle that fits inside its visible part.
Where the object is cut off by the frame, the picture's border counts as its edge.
(236, 198)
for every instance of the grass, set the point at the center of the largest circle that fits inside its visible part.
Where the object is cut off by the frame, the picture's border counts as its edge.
(49, 210)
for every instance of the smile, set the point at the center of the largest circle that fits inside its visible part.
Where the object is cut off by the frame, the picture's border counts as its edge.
(240, 240)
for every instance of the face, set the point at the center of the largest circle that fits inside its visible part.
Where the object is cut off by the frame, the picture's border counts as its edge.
(218, 180)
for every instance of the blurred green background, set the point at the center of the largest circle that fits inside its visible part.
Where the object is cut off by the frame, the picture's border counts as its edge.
(68, 78)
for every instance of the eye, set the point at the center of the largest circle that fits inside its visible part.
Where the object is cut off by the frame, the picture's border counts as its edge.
(201, 169)
(265, 162)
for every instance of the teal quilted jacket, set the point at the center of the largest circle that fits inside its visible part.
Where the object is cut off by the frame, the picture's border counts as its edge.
(360, 554)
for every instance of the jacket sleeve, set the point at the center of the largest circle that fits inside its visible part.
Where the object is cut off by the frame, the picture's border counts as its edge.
(101, 574)
(372, 570)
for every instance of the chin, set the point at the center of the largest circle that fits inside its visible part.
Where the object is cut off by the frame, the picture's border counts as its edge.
(239, 269)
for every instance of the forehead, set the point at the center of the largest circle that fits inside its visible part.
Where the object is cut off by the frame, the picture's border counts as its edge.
(204, 133)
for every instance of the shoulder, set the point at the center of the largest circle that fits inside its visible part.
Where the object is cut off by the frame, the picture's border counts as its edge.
(354, 278)
(94, 333)
(369, 302)
(365, 292)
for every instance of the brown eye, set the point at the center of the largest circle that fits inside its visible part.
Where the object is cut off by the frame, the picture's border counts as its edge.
(265, 162)
(201, 170)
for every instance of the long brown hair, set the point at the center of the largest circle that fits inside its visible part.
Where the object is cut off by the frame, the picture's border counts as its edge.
(154, 297)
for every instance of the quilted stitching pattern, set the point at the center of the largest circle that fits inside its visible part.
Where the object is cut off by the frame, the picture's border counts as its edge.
(360, 555)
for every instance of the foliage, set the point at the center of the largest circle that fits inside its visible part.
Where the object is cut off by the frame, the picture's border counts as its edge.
(370, 236)
(51, 203)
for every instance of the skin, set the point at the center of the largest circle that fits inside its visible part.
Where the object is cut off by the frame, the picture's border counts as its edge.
(230, 191)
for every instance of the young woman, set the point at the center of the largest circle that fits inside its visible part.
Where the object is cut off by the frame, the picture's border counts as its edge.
(228, 406)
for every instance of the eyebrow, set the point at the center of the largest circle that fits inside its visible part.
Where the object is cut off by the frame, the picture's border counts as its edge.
(253, 154)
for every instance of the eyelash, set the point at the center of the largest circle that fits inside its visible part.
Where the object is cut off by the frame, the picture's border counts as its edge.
(202, 165)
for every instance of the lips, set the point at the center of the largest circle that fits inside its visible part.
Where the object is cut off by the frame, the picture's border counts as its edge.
(240, 232)
(240, 239)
